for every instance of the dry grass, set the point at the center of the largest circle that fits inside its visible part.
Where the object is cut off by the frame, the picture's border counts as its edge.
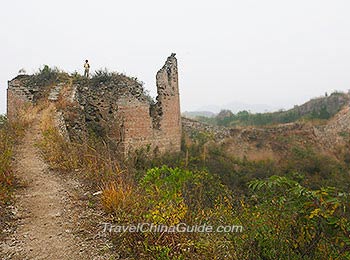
(7, 178)
(117, 197)
(91, 159)
(47, 118)
(10, 134)
(28, 114)
(64, 100)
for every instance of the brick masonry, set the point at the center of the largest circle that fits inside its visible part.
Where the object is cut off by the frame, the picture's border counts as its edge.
(18, 96)
(159, 125)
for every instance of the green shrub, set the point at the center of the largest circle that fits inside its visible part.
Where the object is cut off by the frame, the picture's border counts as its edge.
(47, 76)
(289, 221)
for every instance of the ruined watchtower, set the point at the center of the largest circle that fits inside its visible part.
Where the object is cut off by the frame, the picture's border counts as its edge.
(112, 106)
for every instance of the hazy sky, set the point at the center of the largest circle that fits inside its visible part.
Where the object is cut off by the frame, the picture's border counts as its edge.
(274, 52)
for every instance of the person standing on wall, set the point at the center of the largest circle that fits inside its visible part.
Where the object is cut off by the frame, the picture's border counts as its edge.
(86, 69)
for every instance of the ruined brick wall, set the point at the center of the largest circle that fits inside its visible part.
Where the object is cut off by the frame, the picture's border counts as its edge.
(168, 130)
(118, 109)
(112, 106)
(18, 96)
(155, 125)
(135, 128)
(13, 102)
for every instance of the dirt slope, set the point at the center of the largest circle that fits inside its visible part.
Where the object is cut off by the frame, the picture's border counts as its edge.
(49, 213)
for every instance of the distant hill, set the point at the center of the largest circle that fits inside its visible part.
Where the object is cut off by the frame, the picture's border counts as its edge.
(318, 108)
(194, 114)
(237, 106)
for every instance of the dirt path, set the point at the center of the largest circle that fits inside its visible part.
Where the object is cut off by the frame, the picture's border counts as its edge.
(49, 212)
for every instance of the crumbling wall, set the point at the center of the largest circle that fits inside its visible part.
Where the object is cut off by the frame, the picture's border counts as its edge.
(192, 127)
(136, 130)
(26, 90)
(116, 108)
(130, 118)
(154, 125)
(19, 95)
(168, 117)
(113, 107)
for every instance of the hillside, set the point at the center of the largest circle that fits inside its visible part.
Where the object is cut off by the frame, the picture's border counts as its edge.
(276, 141)
(318, 108)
